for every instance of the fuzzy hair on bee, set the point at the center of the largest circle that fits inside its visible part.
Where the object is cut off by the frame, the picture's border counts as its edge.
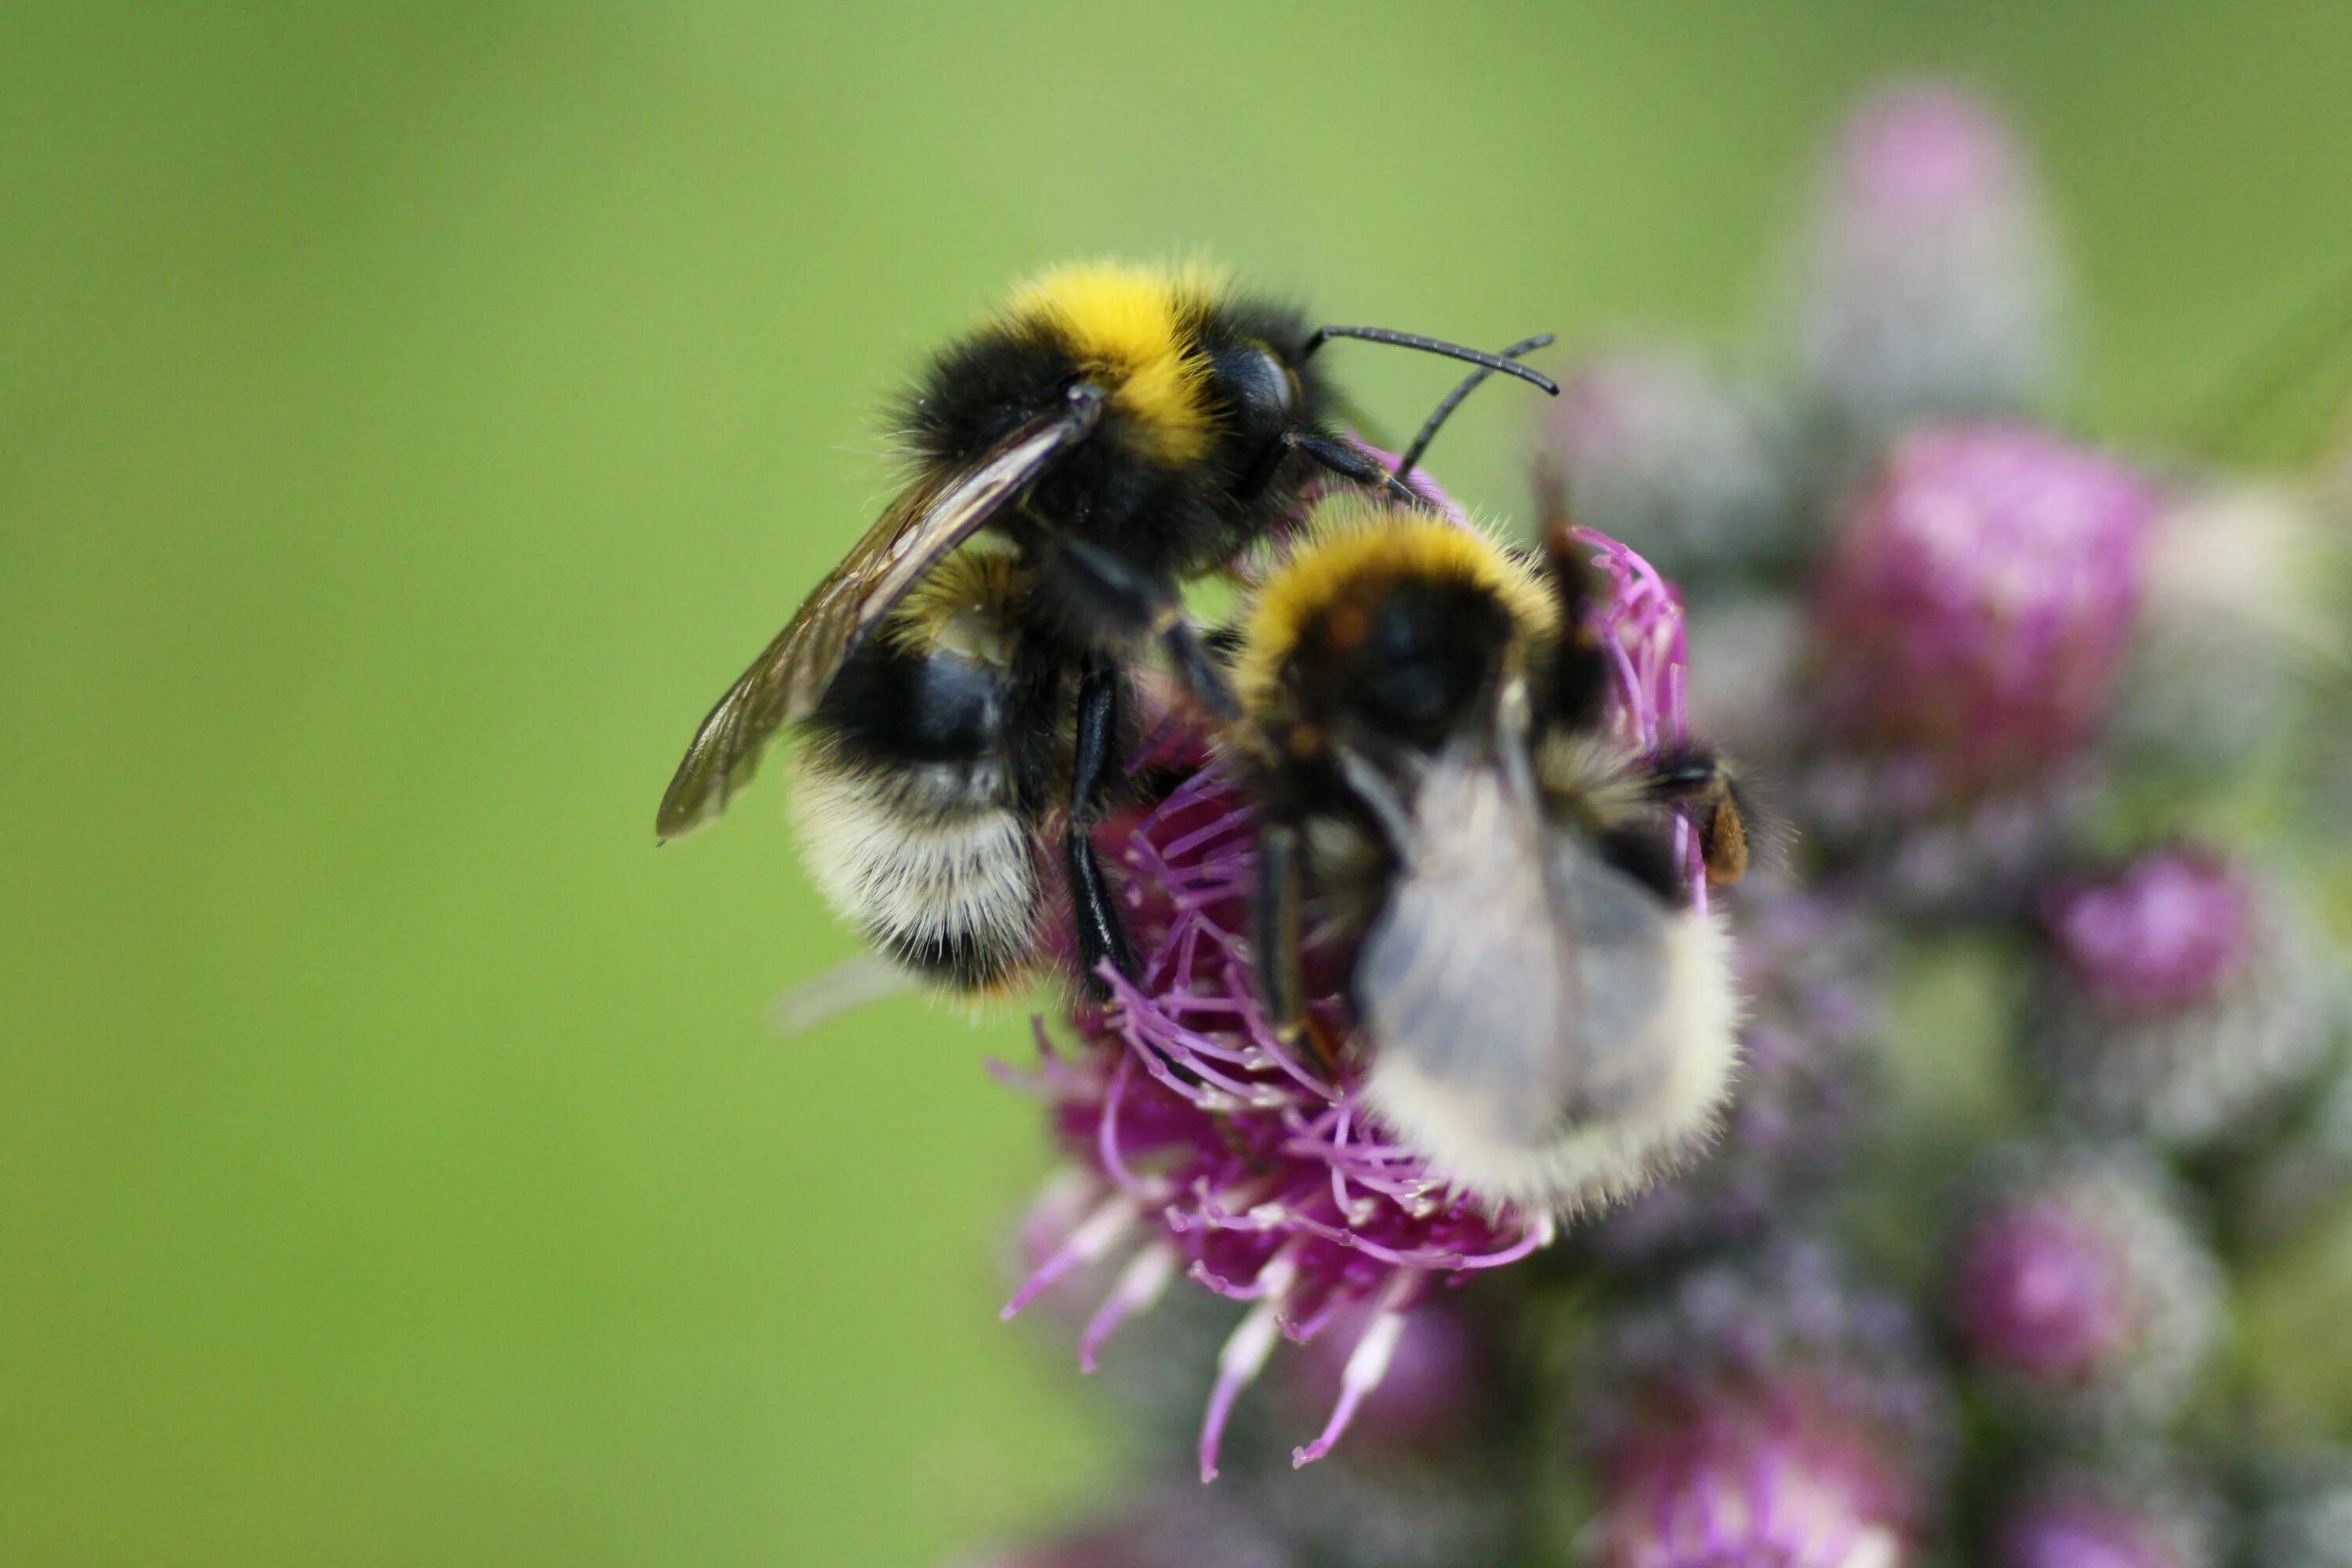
(918, 783)
(1110, 434)
(1545, 1007)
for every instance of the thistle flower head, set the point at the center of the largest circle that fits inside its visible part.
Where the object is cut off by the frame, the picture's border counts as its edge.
(1762, 1412)
(2134, 1508)
(2179, 998)
(1931, 283)
(2079, 1289)
(2167, 933)
(1977, 604)
(1207, 1149)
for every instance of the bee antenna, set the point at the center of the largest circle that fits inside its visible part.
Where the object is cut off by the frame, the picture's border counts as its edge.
(1431, 346)
(1452, 400)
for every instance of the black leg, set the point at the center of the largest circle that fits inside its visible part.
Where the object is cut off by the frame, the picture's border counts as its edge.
(1137, 598)
(1198, 669)
(1274, 943)
(1349, 464)
(1102, 933)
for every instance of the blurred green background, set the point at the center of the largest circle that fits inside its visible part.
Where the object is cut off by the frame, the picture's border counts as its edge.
(412, 417)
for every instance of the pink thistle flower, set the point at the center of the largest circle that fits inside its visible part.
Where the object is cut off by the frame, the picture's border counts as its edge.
(1966, 643)
(1932, 286)
(1210, 1153)
(2078, 1287)
(2179, 998)
(1765, 1412)
(1978, 604)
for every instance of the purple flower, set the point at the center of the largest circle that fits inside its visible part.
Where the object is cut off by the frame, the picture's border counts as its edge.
(1438, 1380)
(2079, 1289)
(2131, 1509)
(1767, 1411)
(2173, 930)
(1206, 1149)
(1976, 607)
(1932, 284)
(1967, 636)
(2178, 998)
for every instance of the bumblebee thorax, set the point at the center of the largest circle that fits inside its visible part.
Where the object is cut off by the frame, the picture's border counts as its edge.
(1136, 331)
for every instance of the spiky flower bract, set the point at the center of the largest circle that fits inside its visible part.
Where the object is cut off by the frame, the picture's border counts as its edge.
(1659, 446)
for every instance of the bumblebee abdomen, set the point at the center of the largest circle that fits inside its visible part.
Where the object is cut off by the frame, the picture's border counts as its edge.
(935, 867)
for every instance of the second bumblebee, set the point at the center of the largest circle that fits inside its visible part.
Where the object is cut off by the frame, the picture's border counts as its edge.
(1548, 1011)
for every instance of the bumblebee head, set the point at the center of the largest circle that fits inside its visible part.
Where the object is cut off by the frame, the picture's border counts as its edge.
(1186, 363)
(1389, 626)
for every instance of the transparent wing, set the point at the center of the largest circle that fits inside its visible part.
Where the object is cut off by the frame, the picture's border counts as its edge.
(1512, 966)
(1459, 973)
(784, 684)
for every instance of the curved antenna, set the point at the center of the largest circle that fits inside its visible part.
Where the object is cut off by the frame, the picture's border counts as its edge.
(1444, 410)
(1432, 346)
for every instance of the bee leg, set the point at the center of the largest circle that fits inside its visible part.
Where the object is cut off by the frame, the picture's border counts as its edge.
(1577, 693)
(1710, 793)
(1349, 464)
(1197, 666)
(1101, 932)
(1150, 600)
(1273, 945)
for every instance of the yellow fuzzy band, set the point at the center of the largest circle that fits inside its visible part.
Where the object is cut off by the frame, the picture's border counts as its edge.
(1134, 327)
(1350, 539)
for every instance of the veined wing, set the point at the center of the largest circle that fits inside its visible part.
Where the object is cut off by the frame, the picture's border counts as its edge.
(785, 683)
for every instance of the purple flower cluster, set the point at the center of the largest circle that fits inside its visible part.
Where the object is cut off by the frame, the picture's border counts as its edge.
(2042, 1053)
(1209, 1149)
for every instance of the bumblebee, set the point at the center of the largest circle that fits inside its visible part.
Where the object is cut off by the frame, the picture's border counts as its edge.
(1547, 1011)
(1112, 434)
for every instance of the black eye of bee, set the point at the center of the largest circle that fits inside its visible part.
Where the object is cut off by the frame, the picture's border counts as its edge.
(1262, 391)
